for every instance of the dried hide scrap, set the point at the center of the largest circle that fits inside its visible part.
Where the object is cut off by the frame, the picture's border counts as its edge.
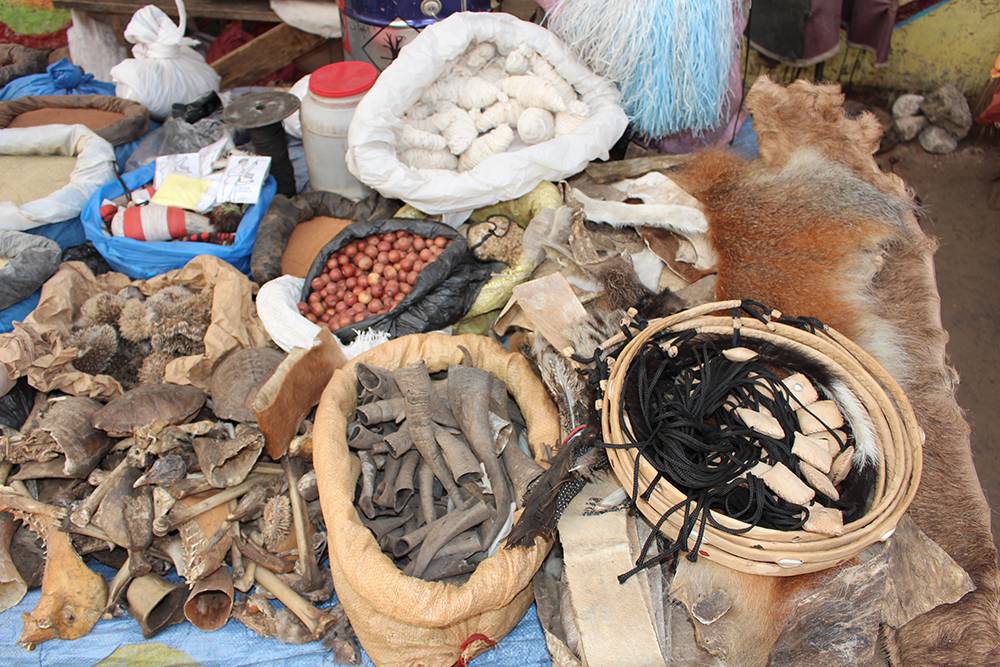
(814, 228)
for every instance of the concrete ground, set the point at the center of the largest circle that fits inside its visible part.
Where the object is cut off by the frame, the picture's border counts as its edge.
(954, 191)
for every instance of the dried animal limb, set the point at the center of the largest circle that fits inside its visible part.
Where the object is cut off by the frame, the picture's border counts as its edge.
(444, 530)
(180, 515)
(262, 557)
(73, 596)
(316, 620)
(12, 585)
(308, 567)
(80, 516)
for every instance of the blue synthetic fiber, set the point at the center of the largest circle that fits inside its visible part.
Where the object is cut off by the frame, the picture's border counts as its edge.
(670, 58)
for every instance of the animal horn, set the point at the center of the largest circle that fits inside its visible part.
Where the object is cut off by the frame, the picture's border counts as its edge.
(458, 456)
(444, 530)
(469, 393)
(12, 586)
(403, 487)
(211, 601)
(377, 381)
(385, 495)
(521, 469)
(361, 437)
(155, 603)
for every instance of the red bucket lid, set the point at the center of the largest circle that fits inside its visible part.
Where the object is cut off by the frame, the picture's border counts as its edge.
(343, 79)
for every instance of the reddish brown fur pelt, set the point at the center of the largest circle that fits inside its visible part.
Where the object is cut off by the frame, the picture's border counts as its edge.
(872, 278)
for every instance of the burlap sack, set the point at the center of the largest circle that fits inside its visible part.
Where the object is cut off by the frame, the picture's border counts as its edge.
(35, 347)
(403, 620)
(122, 121)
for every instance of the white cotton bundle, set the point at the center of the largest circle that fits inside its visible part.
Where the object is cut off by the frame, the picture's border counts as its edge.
(411, 137)
(425, 124)
(497, 114)
(460, 131)
(535, 126)
(421, 158)
(445, 89)
(494, 72)
(495, 141)
(566, 123)
(419, 111)
(479, 55)
(519, 60)
(476, 93)
(534, 91)
(542, 68)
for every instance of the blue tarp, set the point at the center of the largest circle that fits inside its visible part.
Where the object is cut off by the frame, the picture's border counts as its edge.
(232, 646)
(145, 259)
(60, 78)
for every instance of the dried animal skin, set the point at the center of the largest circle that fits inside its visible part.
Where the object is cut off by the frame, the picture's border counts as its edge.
(95, 345)
(477, 93)
(410, 136)
(68, 421)
(276, 521)
(134, 321)
(12, 585)
(495, 141)
(227, 462)
(535, 126)
(154, 365)
(534, 91)
(419, 158)
(237, 380)
(73, 596)
(146, 404)
(102, 308)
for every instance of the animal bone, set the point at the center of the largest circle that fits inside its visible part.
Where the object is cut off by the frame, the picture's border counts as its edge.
(180, 515)
(308, 568)
(126, 514)
(315, 620)
(444, 530)
(73, 596)
(81, 514)
(263, 557)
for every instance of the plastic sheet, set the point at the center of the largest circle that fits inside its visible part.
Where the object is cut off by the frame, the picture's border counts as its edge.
(60, 78)
(234, 645)
(145, 259)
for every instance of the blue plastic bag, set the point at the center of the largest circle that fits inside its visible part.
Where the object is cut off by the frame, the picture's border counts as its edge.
(60, 78)
(145, 259)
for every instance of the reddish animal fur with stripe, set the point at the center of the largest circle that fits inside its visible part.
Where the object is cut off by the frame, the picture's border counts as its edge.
(869, 274)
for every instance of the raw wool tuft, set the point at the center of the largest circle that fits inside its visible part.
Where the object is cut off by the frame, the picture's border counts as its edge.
(276, 521)
(364, 341)
(102, 308)
(670, 58)
(95, 345)
(134, 321)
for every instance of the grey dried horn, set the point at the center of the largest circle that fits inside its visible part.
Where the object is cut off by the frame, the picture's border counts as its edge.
(156, 603)
(361, 437)
(425, 490)
(409, 540)
(500, 425)
(368, 471)
(379, 412)
(415, 383)
(458, 455)
(210, 601)
(376, 381)
(446, 568)
(445, 530)
(469, 391)
(441, 411)
(403, 488)
(12, 586)
(462, 546)
(521, 469)
(399, 442)
(384, 525)
(385, 494)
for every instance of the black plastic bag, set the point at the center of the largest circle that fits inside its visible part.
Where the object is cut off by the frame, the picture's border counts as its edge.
(29, 260)
(445, 289)
(87, 254)
(16, 405)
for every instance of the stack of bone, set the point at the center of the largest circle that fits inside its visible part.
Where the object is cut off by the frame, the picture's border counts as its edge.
(162, 478)
(442, 470)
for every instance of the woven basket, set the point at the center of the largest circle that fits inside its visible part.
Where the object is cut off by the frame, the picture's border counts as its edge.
(768, 551)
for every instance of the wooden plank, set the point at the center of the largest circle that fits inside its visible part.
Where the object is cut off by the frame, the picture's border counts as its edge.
(251, 10)
(274, 49)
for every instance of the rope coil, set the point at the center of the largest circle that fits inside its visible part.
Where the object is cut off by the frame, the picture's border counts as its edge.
(729, 517)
